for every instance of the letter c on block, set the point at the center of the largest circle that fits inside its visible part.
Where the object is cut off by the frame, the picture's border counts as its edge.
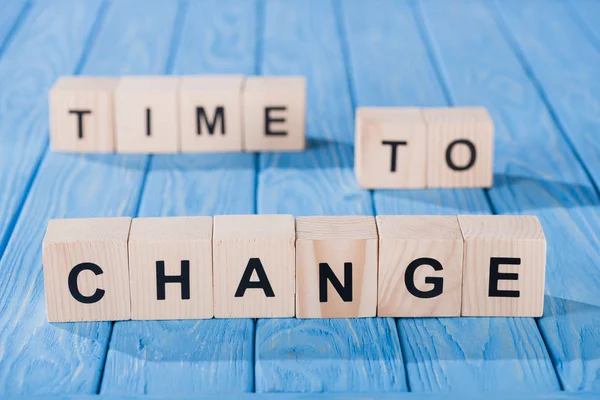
(74, 289)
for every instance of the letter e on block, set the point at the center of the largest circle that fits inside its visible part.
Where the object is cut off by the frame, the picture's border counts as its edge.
(420, 266)
(170, 267)
(85, 269)
(274, 113)
(390, 148)
(81, 114)
(460, 147)
(504, 265)
(253, 266)
(336, 267)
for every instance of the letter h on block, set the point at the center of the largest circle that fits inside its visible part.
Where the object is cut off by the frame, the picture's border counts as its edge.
(85, 269)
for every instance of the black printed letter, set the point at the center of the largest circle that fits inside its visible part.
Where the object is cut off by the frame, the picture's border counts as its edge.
(326, 274)
(74, 289)
(268, 121)
(472, 150)
(219, 115)
(394, 145)
(437, 282)
(263, 283)
(148, 122)
(495, 276)
(162, 280)
(80, 114)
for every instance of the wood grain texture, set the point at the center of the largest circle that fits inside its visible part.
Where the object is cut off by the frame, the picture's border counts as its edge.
(204, 184)
(13, 13)
(68, 357)
(355, 354)
(536, 173)
(384, 39)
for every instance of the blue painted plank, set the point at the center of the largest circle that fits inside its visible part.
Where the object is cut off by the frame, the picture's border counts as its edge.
(460, 354)
(11, 16)
(38, 357)
(204, 356)
(538, 174)
(318, 355)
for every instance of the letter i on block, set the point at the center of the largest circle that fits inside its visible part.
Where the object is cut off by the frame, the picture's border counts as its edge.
(504, 265)
(460, 147)
(211, 113)
(336, 267)
(253, 266)
(391, 148)
(170, 267)
(274, 113)
(81, 114)
(420, 266)
(147, 114)
(86, 270)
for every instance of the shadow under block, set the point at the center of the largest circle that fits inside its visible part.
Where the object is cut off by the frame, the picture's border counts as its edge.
(274, 113)
(254, 266)
(460, 147)
(211, 113)
(391, 148)
(504, 265)
(147, 114)
(82, 114)
(420, 266)
(336, 267)
(86, 269)
(170, 268)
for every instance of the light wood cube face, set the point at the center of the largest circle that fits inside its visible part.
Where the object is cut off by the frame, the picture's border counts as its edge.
(391, 148)
(336, 267)
(460, 147)
(170, 266)
(254, 266)
(211, 113)
(81, 114)
(147, 114)
(504, 266)
(274, 113)
(86, 269)
(420, 266)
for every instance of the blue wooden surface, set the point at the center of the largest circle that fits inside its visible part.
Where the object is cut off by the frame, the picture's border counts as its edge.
(535, 65)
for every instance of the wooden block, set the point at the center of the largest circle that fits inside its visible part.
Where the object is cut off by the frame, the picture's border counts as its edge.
(254, 266)
(85, 269)
(147, 114)
(460, 147)
(336, 267)
(504, 265)
(390, 148)
(82, 114)
(274, 113)
(170, 268)
(420, 266)
(211, 113)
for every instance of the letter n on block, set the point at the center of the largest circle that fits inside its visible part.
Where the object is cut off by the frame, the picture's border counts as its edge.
(391, 148)
(85, 269)
(253, 266)
(504, 265)
(336, 267)
(420, 266)
(170, 265)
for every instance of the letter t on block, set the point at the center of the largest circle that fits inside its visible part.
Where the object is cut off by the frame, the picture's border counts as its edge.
(391, 148)
(504, 265)
(85, 269)
(253, 266)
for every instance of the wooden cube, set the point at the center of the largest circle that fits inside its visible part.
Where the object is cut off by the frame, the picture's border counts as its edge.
(460, 147)
(391, 148)
(85, 269)
(253, 266)
(170, 268)
(504, 265)
(211, 113)
(274, 113)
(81, 114)
(420, 266)
(336, 267)
(147, 114)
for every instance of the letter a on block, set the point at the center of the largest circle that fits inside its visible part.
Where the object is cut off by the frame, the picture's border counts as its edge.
(336, 267)
(253, 266)
(504, 265)
(85, 269)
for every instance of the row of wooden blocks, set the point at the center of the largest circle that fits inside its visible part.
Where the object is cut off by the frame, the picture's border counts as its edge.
(266, 266)
(408, 148)
(172, 114)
